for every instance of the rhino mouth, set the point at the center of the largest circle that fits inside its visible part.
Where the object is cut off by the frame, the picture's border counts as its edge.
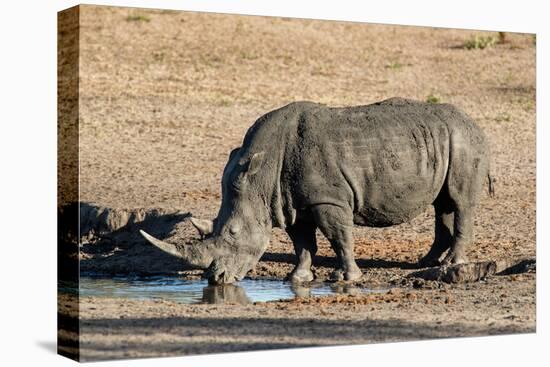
(219, 279)
(217, 273)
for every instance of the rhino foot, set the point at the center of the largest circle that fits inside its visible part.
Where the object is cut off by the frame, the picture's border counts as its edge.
(339, 275)
(454, 258)
(428, 262)
(300, 275)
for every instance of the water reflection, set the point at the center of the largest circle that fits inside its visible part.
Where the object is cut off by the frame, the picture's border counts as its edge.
(235, 294)
(301, 290)
(311, 289)
(198, 291)
(346, 289)
(228, 293)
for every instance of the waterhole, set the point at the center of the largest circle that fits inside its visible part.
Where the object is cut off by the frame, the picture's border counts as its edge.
(198, 291)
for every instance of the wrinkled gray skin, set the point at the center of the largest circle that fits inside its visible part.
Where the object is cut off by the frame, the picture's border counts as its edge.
(307, 166)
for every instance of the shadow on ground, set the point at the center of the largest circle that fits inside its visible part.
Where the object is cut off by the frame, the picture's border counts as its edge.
(123, 338)
(112, 243)
(48, 345)
(331, 261)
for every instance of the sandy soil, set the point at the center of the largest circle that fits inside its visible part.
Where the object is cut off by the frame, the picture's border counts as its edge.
(165, 96)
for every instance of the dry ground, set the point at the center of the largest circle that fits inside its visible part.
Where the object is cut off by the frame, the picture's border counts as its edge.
(165, 96)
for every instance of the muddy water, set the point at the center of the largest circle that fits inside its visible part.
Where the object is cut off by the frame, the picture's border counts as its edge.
(198, 291)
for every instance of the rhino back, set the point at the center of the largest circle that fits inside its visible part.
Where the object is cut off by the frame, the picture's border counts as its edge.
(387, 161)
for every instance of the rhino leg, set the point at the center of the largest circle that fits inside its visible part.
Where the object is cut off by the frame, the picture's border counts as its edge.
(444, 223)
(305, 245)
(463, 236)
(336, 223)
(468, 169)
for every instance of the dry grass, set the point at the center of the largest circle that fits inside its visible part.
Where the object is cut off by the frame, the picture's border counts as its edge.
(164, 100)
(480, 42)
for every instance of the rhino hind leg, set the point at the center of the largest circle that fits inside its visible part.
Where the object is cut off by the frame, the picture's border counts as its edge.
(468, 169)
(305, 245)
(444, 224)
(463, 236)
(336, 224)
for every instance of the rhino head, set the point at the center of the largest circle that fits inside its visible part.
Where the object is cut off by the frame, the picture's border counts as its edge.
(234, 241)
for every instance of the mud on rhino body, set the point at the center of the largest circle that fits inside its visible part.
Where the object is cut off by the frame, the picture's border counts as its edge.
(307, 166)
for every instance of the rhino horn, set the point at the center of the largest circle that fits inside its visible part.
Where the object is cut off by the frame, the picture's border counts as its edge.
(193, 254)
(164, 246)
(204, 226)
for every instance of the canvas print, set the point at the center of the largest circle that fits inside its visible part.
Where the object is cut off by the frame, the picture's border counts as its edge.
(231, 183)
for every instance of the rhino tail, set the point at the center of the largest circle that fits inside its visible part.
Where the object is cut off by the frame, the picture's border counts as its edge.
(491, 185)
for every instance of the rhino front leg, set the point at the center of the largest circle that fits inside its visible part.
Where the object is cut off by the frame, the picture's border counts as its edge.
(336, 223)
(305, 245)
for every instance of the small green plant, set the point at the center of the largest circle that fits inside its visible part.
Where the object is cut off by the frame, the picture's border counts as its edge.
(394, 65)
(168, 11)
(433, 99)
(249, 55)
(528, 104)
(509, 77)
(210, 60)
(159, 55)
(138, 18)
(224, 102)
(287, 59)
(503, 117)
(325, 70)
(239, 27)
(480, 42)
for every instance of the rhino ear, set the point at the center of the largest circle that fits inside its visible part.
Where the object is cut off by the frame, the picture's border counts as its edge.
(234, 153)
(204, 226)
(255, 163)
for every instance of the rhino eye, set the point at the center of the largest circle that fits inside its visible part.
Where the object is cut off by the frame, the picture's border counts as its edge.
(233, 229)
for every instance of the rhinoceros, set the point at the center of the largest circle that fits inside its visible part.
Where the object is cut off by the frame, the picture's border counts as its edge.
(307, 166)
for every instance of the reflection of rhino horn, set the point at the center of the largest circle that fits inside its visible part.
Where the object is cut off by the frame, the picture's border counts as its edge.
(227, 293)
